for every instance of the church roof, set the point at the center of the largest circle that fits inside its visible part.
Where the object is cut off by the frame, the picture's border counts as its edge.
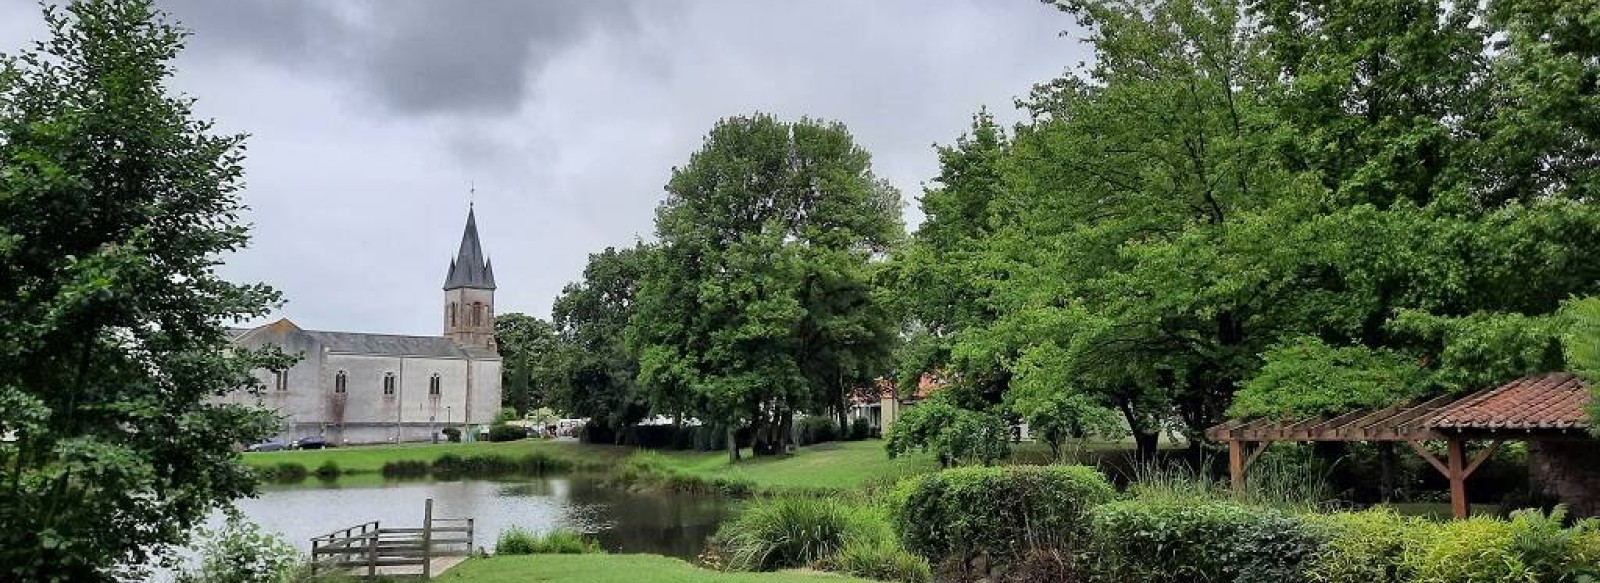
(470, 268)
(389, 344)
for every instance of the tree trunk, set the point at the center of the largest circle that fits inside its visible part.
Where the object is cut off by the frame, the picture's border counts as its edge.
(1146, 442)
(1386, 463)
(733, 445)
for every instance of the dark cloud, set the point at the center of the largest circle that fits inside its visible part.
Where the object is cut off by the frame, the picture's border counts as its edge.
(412, 56)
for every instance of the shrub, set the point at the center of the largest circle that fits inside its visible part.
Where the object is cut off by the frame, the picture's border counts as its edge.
(882, 560)
(405, 469)
(503, 432)
(1532, 546)
(786, 533)
(518, 541)
(1183, 541)
(328, 470)
(999, 512)
(241, 552)
(814, 429)
(287, 472)
(957, 436)
(1364, 547)
(860, 429)
(452, 434)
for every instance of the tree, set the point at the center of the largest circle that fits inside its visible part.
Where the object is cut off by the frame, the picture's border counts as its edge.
(758, 303)
(528, 350)
(115, 206)
(592, 373)
(1581, 341)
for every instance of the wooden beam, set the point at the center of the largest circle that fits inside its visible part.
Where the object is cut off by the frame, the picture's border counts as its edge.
(1484, 455)
(1458, 478)
(1255, 452)
(1429, 457)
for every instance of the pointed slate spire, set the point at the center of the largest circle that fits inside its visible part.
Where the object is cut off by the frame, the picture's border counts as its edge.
(469, 268)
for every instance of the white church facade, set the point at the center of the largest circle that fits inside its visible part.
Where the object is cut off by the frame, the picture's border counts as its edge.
(353, 387)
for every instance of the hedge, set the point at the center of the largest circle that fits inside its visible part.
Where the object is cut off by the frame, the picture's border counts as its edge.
(1181, 541)
(997, 512)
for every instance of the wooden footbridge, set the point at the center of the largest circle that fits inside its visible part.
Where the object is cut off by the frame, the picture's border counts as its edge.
(372, 550)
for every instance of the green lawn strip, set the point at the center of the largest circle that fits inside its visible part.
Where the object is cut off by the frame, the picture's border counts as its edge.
(371, 458)
(828, 466)
(615, 569)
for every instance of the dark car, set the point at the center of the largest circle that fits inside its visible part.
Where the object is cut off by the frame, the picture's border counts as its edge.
(268, 445)
(312, 442)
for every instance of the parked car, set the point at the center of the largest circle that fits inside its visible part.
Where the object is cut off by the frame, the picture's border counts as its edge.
(268, 445)
(312, 442)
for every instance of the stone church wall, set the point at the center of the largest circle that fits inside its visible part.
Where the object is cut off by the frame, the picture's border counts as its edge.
(1568, 471)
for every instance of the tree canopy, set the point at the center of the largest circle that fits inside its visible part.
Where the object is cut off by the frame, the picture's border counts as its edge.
(115, 206)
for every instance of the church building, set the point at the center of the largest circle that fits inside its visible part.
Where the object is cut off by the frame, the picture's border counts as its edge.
(357, 387)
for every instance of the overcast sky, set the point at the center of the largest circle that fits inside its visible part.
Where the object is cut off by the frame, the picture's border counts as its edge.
(369, 119)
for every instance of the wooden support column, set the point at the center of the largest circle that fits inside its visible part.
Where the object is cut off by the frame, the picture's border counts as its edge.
(1236, 464)
(1458, 478)
(427, 540)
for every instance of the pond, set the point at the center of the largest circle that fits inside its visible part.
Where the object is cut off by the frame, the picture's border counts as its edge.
(623, 521)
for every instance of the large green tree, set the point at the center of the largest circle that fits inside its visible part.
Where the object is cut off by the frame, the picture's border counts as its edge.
(592, 373)
(757, 303)
(115, 206)
(529, 352)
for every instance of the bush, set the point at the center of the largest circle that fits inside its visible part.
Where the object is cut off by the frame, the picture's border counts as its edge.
(1532, 546)
(241, 552)
(518, 541)
(328, 470)
(787, 533)
(882, 560)
(503, 432)
(452, 434)
(1183, 541)
(1364, 547)
(999, 512)
(814, 429)
(957, 436)
(287, 472)
(405, 469)
(860, 429)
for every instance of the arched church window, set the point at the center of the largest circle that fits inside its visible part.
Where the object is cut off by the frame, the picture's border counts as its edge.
(433, 385)
(388, 384)
(452, 313)
(341, 382)
(477, 313)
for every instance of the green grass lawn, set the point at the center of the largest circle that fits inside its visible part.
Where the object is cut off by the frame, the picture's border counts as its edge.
(370, 458)
(615, 569)
(826, 466)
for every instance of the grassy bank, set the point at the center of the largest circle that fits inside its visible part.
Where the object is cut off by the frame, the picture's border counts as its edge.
(615, 569)
(830, 466)
(371, 458)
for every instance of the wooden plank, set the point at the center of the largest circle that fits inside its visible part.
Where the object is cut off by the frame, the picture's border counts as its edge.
(1429, 457)
(1484, 456)
(1458, 479)
(1236, 464)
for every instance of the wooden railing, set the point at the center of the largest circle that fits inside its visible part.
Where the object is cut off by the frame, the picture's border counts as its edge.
(366, 548)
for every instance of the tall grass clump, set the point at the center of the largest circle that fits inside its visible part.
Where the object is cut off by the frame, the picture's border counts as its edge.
(287, 472)
(793, 532)
(881, 559)
(1280, 481)
(519, 541)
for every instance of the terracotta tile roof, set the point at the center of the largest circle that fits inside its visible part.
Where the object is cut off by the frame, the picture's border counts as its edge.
(1550, 401)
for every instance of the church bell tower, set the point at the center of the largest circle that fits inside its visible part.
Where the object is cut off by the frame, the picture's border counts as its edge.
(469, 293)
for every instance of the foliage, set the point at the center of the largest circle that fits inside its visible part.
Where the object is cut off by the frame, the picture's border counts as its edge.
(116, 205)
(529, 355)
(451, 434)
(817, 429)
(1056, 413)
(757, 303)
(881, 560)
(1192, 540)
(507, 414)
(957, 436)
(1306, 377)
(788, 532)
(241, 552)
(1364, 547)
(1000, 513)
(592, 373)
(860, 429)
(329, 470)
(1581, 344)
(518, 541)
(504, 432)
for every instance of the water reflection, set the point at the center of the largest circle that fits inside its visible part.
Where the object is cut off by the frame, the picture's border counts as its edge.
(629, 522)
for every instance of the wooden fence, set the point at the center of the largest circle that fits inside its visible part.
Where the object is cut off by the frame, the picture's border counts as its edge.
(370, 549)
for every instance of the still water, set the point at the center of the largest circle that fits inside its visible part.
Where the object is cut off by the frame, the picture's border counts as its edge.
(663, 523)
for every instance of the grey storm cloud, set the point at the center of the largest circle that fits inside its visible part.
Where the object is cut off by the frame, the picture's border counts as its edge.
(414, 56)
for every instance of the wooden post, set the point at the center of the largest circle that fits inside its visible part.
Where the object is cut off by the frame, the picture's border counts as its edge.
(1236, 464)
(1458, 478)
(427, 539)
(372, 553)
